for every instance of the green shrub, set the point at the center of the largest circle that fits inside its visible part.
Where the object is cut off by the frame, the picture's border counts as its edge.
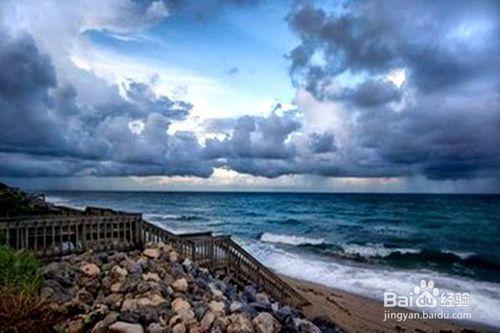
(19, 270)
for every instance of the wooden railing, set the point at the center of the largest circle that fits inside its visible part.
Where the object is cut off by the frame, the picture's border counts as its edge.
(60, 235)
(223, 252)
(52, 236)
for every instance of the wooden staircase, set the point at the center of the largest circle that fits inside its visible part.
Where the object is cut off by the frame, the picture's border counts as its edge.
(49, 236)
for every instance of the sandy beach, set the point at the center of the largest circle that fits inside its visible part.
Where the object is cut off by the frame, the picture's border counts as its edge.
(356, 313)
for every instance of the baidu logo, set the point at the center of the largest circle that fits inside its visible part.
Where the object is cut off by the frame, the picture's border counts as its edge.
(425, 294)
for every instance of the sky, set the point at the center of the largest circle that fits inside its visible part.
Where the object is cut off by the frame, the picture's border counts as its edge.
(251, 95)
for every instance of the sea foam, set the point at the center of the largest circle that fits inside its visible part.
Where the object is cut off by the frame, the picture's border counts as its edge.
(290, 239)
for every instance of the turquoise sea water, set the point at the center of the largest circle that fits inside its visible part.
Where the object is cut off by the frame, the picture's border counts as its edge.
(363, 243)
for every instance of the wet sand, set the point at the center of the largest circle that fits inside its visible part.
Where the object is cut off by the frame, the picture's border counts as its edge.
(356, 313)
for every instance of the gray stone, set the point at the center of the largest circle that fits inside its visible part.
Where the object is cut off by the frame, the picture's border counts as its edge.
(61, 272)
(156, 328)
(102, 326)
(179, 328)
(122, 327)
(266, 323)
(305, 326)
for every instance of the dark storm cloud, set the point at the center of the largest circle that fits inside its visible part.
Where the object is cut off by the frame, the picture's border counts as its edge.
(254, 137)
(447, 122)
(322, 143)
(443, 122)
(47, 131)
(426, 37)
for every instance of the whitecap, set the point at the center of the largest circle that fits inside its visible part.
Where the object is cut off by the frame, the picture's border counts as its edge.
(290, 239)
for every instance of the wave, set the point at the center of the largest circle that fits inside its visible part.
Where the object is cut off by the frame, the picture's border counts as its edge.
(349, 250)
(174, 217)
(59, 201)
(290, 239)
(454, 262)
(373, 280)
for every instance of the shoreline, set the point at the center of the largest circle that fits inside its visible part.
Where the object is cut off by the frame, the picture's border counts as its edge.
(356, 313)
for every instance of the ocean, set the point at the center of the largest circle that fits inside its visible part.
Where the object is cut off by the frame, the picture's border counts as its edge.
(361, 243)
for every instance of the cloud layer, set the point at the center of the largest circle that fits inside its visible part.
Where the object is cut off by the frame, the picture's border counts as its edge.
(383, 90)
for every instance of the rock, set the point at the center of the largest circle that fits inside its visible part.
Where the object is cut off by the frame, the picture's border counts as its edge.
(187, 263)
(93, 285)
(152, 253)
(84, 297)
(156, 328)
(147, 315)
(179, 328)
(106, 282)
(151, 277)
(132, 266)
(179, 305)
(239, 323)
(326, 325)
(116, 287)
(180, 285)
(113, 301)
(102, 326)
(231, 292)
(195, 329)
(129, 317)
(130, 283)
(46, 293)
(90, 270)
(248, 310)
(174, 320)
(61, 272)
(266, 323)
(75, 326)
(262, 298)
(55, 292)
(201, 283)
(118, 272)
(235, 307)
(305, 326)
(220, 324)
(200, 310)
(187, 315)
(173, 256)
(117, 257)
(142, 287)
(129, 305)
(177, 270)
(261, 307)
(216, 293)
(122, 327)
(168, 279)
(164, 247)
(207, 321)
(249, 294)
(217, 308)
(155, 299)
(134, 304)
(283, 312)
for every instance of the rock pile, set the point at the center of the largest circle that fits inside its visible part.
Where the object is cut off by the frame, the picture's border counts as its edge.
(156, 291)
